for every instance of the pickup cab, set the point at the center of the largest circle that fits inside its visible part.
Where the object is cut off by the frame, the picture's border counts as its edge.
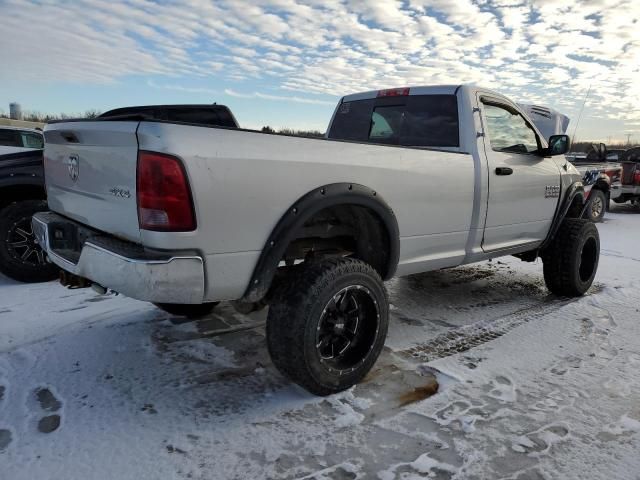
(630, 160)
(186, 215)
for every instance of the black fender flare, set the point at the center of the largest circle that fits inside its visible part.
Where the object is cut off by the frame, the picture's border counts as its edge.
(603, 183)
(576, 188)
(302, 210)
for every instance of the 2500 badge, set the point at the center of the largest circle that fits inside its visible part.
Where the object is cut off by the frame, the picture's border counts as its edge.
(552, 191)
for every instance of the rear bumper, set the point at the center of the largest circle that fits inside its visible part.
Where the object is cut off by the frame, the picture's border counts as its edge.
(615, 190)
(631, 190)
(143, 274)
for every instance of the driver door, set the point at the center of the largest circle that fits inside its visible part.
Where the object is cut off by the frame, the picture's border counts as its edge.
(523, 187)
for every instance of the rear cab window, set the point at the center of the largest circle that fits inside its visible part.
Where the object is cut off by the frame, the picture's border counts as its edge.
(411, 121)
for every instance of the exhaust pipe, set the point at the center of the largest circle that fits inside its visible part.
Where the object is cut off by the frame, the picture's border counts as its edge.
(72, 281)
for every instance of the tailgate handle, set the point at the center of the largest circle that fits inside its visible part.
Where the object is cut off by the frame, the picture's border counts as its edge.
(70, 137)
(504, 171)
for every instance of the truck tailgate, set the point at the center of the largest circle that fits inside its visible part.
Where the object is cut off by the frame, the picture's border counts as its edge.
(90, 174)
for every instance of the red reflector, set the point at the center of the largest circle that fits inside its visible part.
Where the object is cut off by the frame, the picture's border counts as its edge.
(394, 92)
(164, 198)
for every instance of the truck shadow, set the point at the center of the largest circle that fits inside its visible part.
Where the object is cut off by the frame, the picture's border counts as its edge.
(235, 369)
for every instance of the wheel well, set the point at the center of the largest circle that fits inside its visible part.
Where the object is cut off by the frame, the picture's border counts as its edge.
(342, 230)
(17, 193)
(601, 185)
(339, 219)
(577, 205)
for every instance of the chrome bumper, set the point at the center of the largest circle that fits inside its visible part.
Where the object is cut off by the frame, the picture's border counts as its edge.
(152, 276)
(615, 190)
(631, 189)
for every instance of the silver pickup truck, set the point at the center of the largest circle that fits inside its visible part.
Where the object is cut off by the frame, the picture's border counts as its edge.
(407, 180)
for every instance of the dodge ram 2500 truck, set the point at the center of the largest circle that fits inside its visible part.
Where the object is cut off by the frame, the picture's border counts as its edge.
(185, 215)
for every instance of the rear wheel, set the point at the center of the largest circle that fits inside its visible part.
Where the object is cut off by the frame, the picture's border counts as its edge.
(329, 324)
(21, 258)
(597, 206)
(197, 310)
(571, 260)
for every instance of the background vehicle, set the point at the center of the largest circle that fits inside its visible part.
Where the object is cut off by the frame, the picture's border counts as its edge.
(178, 213)
(601, 178)
(22, 194)
(630, 160)
(19, 139)
(214, 115)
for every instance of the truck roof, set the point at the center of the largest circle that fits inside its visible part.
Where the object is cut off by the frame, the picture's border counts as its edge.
(415, 90)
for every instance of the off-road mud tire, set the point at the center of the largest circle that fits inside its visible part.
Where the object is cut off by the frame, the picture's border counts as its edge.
(570, 262)
(294, 320)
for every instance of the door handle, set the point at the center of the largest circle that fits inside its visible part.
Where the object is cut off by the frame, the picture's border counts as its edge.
(504, 171)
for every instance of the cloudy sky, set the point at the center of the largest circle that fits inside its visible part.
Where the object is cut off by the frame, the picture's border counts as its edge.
(286, 62)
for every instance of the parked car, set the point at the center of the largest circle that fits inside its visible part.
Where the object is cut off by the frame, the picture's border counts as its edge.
(18, 139)
(187, 215)
(213, 115)
(630, 160)
(22, 194)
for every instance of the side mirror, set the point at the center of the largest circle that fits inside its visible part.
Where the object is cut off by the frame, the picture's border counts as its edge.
(558, 145)
(603, 152)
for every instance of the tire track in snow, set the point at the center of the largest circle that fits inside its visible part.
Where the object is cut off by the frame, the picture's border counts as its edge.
(467, 337)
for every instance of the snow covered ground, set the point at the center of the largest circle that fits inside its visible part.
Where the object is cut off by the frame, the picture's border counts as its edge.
(531, 386)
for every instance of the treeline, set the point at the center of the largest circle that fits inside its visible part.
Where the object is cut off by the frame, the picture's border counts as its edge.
(586, 146)
(29, 116)
(291, 131)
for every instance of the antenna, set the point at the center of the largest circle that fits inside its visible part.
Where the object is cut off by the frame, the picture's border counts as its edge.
(580, 115)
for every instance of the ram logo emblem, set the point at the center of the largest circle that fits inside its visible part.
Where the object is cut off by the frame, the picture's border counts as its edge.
(73, 165)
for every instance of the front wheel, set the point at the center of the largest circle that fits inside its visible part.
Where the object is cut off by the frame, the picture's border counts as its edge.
(327, 327)
(597, 206)
(571, 260)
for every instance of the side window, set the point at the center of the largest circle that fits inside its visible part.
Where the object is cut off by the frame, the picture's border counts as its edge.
(386, 123)
(32, 140)
(508, 130)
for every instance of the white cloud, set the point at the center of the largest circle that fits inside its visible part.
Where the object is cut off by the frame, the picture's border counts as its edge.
(547, 50)
(280, 98)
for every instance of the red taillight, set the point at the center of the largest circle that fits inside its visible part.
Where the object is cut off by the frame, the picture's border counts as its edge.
(164, 198)
(636, 177)
(394, 92)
